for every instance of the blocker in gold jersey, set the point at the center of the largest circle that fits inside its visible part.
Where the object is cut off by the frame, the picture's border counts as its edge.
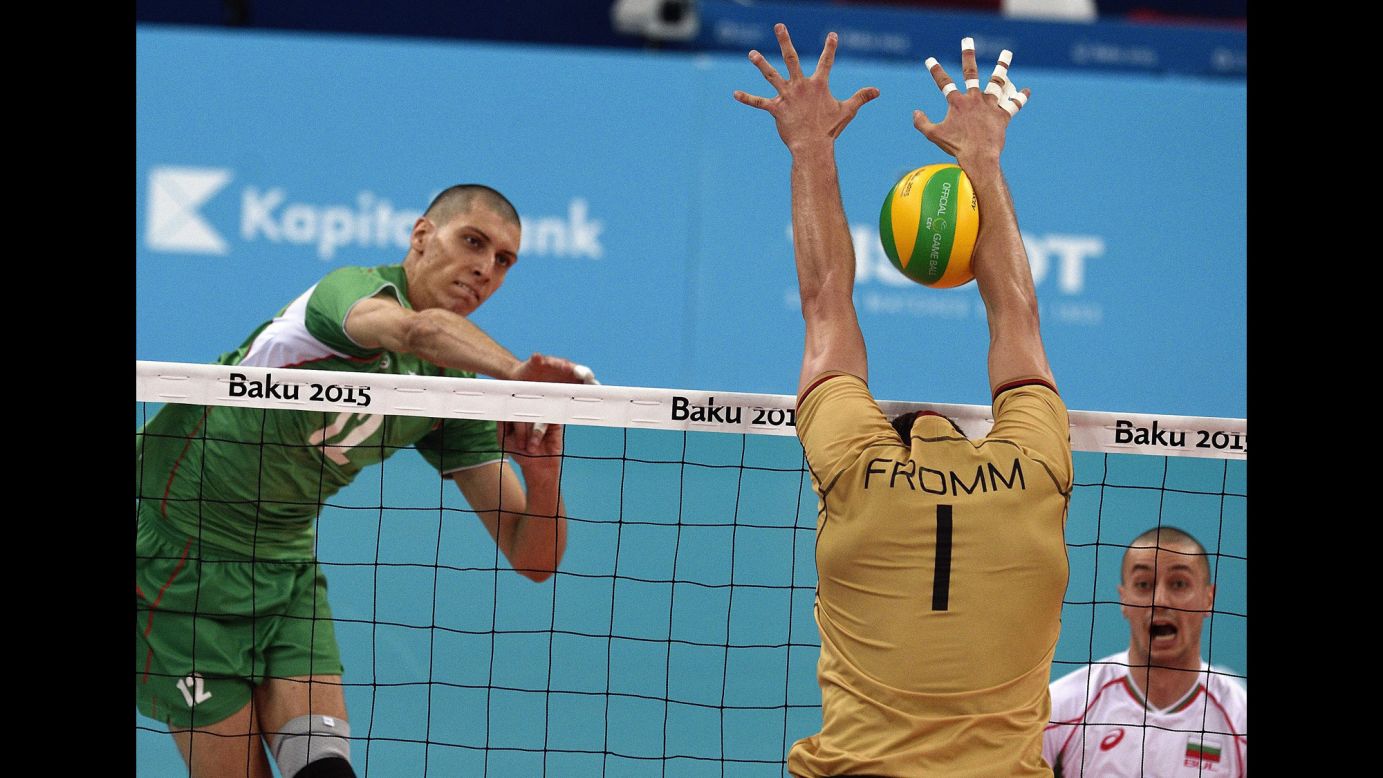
(941, 566)
(940, 561)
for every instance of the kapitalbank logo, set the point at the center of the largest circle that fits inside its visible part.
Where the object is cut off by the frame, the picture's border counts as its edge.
(175, 195)
(270, 214)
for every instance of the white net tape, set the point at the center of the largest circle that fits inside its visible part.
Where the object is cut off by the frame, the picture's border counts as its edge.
(634, 407)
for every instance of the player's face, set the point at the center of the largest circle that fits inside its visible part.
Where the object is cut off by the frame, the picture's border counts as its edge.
(461, 263)
(1166, 598)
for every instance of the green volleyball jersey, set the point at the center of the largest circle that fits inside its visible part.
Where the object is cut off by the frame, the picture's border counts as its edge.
(251, 481)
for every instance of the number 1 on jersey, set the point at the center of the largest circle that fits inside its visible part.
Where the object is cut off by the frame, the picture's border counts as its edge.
(941, 574)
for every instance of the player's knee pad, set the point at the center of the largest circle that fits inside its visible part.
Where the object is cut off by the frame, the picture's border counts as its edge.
(308, 741)
(331, 767)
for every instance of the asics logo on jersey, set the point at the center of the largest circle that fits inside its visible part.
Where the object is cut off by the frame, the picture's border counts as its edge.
(192, 688)
(1112, 739)
(175, 194)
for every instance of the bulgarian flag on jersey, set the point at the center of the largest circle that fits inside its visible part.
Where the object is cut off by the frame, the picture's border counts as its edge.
(1202, 750)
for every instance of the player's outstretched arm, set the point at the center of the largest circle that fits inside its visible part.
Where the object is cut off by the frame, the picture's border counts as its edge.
(973, 131)
(448, 339)
(809, 120)
(529, 524)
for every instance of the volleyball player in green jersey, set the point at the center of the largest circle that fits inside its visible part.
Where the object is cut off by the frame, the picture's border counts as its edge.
(941, 561)
(233, 635)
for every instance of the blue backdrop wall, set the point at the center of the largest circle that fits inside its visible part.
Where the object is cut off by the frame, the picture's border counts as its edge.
(656, 242)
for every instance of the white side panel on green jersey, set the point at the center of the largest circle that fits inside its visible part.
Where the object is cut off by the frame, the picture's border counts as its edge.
(286, 340)
(251, 482)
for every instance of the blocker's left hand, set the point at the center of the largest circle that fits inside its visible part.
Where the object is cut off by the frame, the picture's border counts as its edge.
(806, 113)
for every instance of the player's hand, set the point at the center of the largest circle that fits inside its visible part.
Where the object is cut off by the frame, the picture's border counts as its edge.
(533, 437)
(531, 446)
(977, 116)
(804, 109)
(553, 369)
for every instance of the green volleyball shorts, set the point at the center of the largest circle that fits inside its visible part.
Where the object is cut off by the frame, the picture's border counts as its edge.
(208, 629)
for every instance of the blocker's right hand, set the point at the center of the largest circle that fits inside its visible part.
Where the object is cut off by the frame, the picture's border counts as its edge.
(976, 121)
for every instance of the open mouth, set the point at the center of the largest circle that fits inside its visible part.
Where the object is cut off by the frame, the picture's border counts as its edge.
(1162, 629)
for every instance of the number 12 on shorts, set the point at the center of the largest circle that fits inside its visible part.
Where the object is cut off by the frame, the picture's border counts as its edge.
(193, 689)
(941, 570)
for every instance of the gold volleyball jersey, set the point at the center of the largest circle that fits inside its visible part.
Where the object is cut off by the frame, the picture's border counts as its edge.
(941, 569)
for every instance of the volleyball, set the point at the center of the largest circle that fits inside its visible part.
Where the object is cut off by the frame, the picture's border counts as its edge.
(928, 225)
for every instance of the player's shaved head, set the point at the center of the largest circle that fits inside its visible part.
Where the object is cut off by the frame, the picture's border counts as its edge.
(1172, 541)
(456, 200)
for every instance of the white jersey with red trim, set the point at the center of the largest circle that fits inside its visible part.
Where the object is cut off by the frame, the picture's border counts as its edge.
(1101, 727)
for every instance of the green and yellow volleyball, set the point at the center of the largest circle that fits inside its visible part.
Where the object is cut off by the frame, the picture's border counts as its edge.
(928, 225)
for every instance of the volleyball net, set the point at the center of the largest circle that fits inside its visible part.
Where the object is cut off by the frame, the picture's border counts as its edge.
(677, 637)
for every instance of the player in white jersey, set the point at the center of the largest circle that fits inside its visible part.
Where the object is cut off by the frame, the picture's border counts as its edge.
(1157, 709)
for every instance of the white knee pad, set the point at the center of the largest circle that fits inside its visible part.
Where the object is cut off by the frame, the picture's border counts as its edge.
(306, 739)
